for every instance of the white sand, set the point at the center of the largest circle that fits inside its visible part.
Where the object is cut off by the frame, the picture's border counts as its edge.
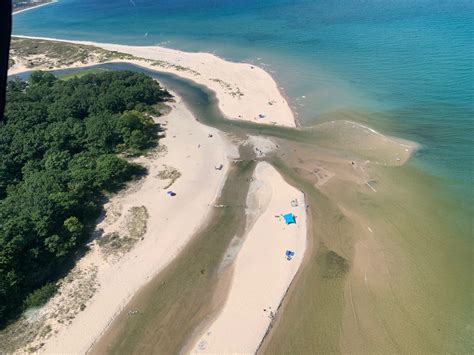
(166, 234)
(262, 274)
(244, 91)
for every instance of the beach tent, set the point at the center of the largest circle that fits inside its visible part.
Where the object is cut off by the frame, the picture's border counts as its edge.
(289, 218)
(289, 254)
(171, 193)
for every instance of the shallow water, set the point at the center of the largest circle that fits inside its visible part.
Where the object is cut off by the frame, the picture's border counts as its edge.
(403, 67)
(179, 299)
(387, 271)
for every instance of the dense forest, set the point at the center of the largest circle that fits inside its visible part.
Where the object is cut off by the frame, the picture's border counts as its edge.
(61, 149)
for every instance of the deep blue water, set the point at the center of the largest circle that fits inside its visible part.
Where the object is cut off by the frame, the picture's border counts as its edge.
(403, 67)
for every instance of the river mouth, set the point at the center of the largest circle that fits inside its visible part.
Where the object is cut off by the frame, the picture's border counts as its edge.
(388, 260)
(183, 295)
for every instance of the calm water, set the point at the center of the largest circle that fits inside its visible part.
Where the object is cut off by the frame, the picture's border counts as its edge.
(426, 304)
(404, 67)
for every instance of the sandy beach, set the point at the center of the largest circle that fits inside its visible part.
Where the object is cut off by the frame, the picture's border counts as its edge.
(194, 153)
(244, 91)
(262, 273)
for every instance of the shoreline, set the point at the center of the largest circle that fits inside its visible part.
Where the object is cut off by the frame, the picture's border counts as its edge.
(244, 91)
(34, 7)
(229, 105)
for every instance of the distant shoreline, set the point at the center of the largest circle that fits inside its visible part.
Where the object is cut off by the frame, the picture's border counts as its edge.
(245, 91)
(34, 7)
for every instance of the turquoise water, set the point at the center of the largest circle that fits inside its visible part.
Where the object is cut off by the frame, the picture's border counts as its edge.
(403, 67)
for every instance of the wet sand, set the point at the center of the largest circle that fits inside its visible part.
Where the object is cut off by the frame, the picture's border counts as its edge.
(261, 272)
(380, 254)
(376, 223)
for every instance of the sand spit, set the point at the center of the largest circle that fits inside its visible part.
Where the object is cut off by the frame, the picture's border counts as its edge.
(35, 7)
(244, 91)
(194, 151)
(262, 273)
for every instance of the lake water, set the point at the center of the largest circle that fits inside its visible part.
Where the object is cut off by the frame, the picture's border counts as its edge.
(404, 68)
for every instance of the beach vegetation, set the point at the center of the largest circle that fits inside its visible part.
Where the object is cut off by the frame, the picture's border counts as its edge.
(69, 76)
(33, 53)
(169, 173)
(63, 149)
(135, 226)
(40, 296)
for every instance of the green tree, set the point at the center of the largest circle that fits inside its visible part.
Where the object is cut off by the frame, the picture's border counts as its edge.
(57, 155)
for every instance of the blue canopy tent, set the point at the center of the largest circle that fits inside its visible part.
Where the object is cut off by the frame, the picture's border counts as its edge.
(289, 218)
(289, 254)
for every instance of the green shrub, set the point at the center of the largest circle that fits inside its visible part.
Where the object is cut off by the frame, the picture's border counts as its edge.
(40, 296)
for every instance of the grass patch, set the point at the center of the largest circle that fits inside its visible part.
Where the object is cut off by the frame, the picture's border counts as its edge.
(137, 221)
(114, 243)
(228, 87)
(169, 173)
(29, 332)
(135, 225)
(81, 73)
(51, 54)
